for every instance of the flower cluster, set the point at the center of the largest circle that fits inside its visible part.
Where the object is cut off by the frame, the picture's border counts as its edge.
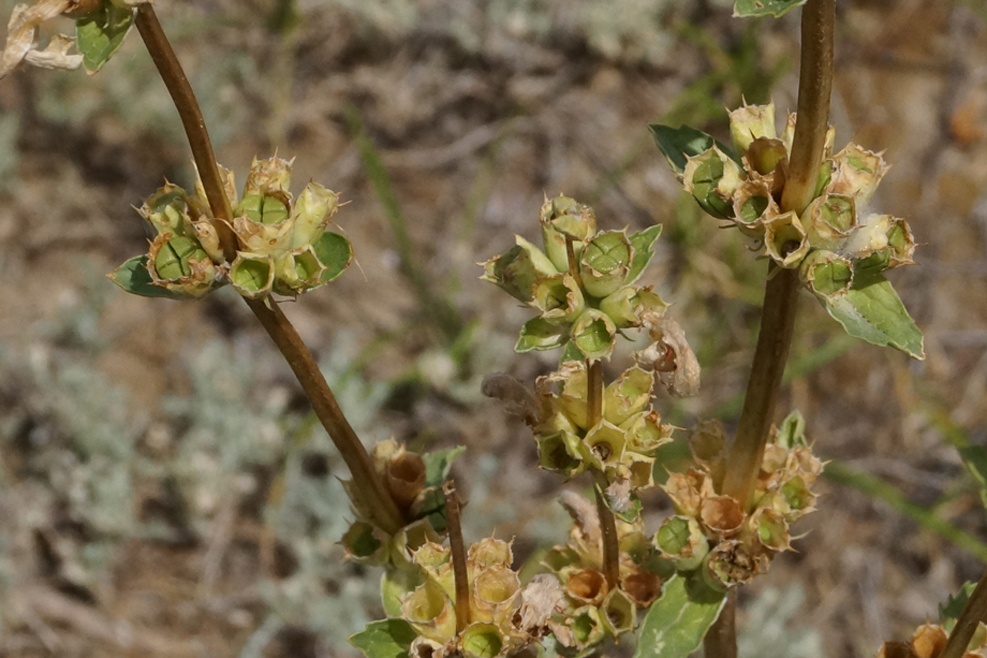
(622, 444)
(419, 499)
(592, 609)
(503, 616)
(712, 532)
(832, 242)
(282, 244)
(581, 284)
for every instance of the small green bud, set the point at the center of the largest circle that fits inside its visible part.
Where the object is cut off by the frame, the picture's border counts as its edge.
(681, 540)
(180, 265)
(645, 433)
(252, 274)
(171, 263)
(569, 218)
(712, 177)
(627, 305)
(605, 263)
(298, 271)
(559, 298)
(432, 557)
(785, 239)
(857, 173)
(619, 613)
(829, 219)
(167, 210)
(312, 211)
(764, 155)
(771, 530)
(750, 122)
(587, 626)
(519, 269)
(881, 242)
(539, 335)
(825, 273)
(481, 641)
(628, 395)
(594, 334)
(753, 204)
(799, 499)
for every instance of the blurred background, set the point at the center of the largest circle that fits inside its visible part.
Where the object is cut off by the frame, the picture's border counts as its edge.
(164, 490)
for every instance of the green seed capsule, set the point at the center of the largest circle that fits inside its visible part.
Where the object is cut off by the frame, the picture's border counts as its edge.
(172, 263)
(263, 209)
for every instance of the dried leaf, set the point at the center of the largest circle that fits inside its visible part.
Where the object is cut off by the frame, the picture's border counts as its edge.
(22, 30)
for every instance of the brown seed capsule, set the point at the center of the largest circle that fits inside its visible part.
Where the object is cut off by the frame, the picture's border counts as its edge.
(929, 641)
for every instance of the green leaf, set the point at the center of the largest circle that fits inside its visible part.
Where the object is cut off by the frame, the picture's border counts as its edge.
(676, 624)
(642, 241)
(776, 8)
(335, 252)
(100, 34)
(874, 313)
(680, 144)
(975, 460)
(438, 463)
(951, 610)
(537, 334)
(388, 638)
(133, 277)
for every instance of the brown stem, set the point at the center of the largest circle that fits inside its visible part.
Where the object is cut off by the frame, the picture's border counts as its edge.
(367, 483)
(608, 530)
(974, 612)
(460, 574)
(608, 524)
(181, 92)
(781, 291)
(570, 253)
(721, 640)
(815, 86)
(594, 392)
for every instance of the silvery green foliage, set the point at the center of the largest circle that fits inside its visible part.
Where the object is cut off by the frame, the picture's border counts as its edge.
(231, 427)
(77, 437)
(308, 520)
(769, 633)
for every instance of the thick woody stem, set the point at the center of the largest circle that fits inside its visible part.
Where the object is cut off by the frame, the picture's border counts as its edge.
(781, 291)
(460, 574)
(367, 483)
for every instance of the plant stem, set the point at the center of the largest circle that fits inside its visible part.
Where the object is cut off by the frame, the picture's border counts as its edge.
(781, 291)
(974, 612)
(460, 574)
(608, 524)
(815, 87)
(181, 92)
(368, 486)
(608, 531)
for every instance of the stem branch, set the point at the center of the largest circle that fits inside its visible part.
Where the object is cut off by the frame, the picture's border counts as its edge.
(374, 497)
(974, 612)
(181, 92)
